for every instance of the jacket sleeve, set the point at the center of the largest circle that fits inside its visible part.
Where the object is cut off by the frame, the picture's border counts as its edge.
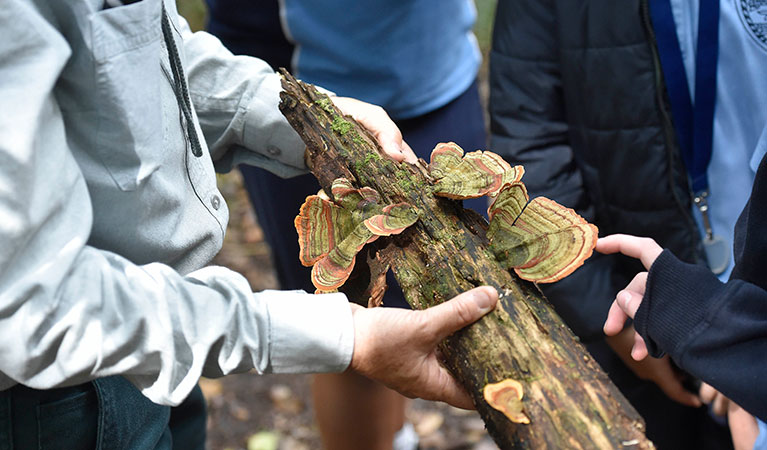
(715, 331)
(236, 99)
(70, 312)
(529, 127)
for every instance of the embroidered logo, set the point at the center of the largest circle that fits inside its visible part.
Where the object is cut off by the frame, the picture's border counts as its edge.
(753, 13)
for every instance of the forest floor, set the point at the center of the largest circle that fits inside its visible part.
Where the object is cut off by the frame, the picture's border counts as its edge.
(274, 412)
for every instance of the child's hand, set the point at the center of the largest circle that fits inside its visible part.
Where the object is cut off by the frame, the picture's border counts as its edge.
(710, 396)
(658, 370)
(743, 427)
(628, 300)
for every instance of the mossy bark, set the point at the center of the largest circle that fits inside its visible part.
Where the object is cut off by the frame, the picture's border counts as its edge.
(570, 401)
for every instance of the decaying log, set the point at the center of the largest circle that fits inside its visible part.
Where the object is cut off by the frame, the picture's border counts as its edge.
(569, 400)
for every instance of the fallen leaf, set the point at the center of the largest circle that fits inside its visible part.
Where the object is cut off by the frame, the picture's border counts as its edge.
(429, 423)
(285, 400)
(264, 440)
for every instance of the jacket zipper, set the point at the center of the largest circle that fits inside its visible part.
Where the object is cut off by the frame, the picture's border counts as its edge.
(668, 132)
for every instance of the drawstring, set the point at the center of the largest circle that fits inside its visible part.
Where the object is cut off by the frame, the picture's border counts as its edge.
(179, 84)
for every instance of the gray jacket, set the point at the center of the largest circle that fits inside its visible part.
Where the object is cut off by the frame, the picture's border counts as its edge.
(577, 97)
(107, 218)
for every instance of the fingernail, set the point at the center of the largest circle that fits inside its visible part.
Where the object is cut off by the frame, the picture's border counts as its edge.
(484, 301)
(623, 300)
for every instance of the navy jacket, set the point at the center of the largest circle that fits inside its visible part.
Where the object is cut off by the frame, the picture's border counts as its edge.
(578, 98)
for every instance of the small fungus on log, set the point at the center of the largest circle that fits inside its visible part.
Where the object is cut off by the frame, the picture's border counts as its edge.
(506, 397)
(471, 176)
(331, 233)
(542, 240)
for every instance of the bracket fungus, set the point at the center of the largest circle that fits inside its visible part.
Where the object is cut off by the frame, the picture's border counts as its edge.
(473, 175)
(542, 240)
(332, 232)
(506, 397)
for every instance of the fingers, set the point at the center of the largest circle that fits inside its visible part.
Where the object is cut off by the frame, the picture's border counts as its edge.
(639, 350)
(616, 319)
(710, 396)
(673, 388)
(669, 381)
(389, 137)
(644, 249)
(630, 298)
(625, 305)
(410, 156)
(380, 125)
(443, 320)
(720, 404)
(743, 427)
(449, 390)
(707, 393)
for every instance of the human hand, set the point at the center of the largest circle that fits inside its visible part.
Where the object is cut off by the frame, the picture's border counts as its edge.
(398, 347)
(658, 370)
(743, 427)
(380, 125)
(628, 300)
(710, 396)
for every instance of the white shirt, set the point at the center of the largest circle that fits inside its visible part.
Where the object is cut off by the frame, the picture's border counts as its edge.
(107, 219)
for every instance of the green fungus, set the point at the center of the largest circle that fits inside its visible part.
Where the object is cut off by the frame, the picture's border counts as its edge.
(325, 104)
(340, 125)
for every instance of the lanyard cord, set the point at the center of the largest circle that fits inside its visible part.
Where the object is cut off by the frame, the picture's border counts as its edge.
(693, 119)
(179, 84)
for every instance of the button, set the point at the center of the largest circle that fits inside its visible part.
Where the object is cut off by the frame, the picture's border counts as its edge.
(272, 150)
(215, 202)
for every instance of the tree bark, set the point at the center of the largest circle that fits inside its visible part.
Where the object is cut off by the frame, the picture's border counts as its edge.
(569, 400)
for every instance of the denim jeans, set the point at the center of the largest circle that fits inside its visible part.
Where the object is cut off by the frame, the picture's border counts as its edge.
(108, 413)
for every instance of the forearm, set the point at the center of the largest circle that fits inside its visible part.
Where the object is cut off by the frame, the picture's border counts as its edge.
(236, 99)
(715, 331)
(72, 312)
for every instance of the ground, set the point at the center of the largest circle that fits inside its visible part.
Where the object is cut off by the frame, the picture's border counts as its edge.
(274, 412)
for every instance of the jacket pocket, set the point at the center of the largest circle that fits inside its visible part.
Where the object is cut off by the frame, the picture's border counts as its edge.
(127, 50)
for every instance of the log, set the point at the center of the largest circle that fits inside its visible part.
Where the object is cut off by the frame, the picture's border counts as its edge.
(569, 400)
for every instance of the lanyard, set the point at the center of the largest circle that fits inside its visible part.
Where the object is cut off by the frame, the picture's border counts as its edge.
(694, 122)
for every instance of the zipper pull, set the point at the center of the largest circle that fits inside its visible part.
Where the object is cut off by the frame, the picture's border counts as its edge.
(701, 201)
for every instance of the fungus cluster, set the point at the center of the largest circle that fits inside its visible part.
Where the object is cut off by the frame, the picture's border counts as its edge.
(332, 232)
(540, 239)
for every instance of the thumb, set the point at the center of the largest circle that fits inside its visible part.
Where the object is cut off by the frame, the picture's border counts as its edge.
(458, 312)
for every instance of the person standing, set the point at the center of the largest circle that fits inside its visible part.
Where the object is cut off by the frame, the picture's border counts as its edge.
(419, 61)
(641, 115)
(113, 118)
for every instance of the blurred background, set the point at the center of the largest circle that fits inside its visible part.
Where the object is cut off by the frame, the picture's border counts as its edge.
(274, 412)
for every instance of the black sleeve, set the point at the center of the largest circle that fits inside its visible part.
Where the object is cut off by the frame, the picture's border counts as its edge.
(715, 331)
(529, 127)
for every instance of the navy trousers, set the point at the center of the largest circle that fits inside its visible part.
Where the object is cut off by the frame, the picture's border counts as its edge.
(109, 413)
